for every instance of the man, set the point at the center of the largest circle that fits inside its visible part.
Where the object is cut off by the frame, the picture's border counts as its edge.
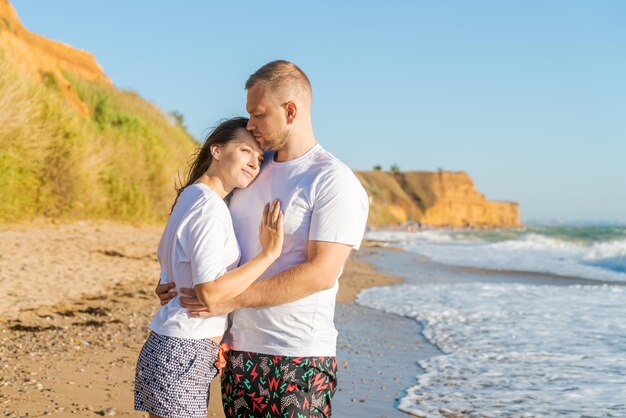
(282, 334)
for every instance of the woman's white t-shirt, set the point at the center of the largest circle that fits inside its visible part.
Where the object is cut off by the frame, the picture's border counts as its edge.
(197, 246)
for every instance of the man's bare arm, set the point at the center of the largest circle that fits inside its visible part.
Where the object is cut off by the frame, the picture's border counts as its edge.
(319, 272)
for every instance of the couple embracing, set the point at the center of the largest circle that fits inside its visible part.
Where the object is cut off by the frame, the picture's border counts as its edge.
(260, 275)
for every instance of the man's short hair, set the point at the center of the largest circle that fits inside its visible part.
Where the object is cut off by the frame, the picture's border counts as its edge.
(280, 73)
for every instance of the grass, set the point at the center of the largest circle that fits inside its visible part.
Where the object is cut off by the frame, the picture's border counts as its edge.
(119, 162)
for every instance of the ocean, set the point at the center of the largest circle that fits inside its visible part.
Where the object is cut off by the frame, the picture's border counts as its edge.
(529, 322)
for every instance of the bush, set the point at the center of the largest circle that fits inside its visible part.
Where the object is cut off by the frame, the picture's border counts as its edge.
(117, 161)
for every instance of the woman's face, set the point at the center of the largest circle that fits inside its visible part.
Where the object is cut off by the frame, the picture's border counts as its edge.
(239, 160)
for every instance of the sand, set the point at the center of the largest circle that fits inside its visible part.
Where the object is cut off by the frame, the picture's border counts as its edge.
(47, 263)
(76, 302)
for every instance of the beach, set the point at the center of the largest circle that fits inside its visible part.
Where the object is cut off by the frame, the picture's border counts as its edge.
(492, 277)
(416, 336)
(78, 300)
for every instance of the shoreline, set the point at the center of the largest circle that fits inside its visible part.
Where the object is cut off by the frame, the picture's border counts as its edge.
(555, 310)
(66, 351)
(405, 264)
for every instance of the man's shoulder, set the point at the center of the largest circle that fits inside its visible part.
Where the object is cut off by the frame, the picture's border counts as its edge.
(325, 163)
(333, 174)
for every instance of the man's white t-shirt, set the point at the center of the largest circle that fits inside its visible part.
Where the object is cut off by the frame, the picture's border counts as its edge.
(197, 246)
(322, 201)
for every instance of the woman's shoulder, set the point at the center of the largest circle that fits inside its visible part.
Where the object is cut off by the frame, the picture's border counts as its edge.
(199, 200)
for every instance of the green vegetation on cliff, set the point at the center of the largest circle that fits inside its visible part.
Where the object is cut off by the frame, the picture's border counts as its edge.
(119, 161)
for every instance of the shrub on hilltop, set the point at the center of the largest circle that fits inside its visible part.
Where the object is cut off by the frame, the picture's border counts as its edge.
(117, 161)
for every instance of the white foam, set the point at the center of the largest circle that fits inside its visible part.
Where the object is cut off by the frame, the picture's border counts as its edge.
(515, 350)
(530, 252)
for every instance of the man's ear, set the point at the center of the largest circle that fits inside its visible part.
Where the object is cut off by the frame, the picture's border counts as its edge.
(291, 110)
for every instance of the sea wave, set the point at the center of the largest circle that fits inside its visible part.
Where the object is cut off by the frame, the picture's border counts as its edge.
(561, 252)
(513, 349)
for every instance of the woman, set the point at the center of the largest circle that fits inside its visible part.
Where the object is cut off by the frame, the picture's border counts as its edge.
(198, 249)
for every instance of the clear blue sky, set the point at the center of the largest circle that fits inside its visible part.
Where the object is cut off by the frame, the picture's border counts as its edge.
(528, 97)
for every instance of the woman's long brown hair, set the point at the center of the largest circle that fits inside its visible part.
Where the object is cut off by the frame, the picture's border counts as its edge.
(201, 159)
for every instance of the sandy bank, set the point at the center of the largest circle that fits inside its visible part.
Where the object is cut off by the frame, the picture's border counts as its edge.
(75, 313)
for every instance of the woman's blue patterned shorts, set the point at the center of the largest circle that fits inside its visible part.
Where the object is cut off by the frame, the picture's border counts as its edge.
(173, 376)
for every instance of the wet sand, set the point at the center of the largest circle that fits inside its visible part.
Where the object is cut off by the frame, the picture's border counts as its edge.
(77, 300)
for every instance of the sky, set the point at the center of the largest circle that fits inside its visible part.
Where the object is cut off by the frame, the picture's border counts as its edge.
(528, 97)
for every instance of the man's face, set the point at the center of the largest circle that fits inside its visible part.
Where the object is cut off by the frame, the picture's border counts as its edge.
(268, 121)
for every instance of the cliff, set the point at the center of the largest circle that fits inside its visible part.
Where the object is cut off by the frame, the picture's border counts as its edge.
(433, 198)
(72, 145)
(43, 59)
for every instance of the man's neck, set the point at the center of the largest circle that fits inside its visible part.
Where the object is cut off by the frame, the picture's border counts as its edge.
(296, 147)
